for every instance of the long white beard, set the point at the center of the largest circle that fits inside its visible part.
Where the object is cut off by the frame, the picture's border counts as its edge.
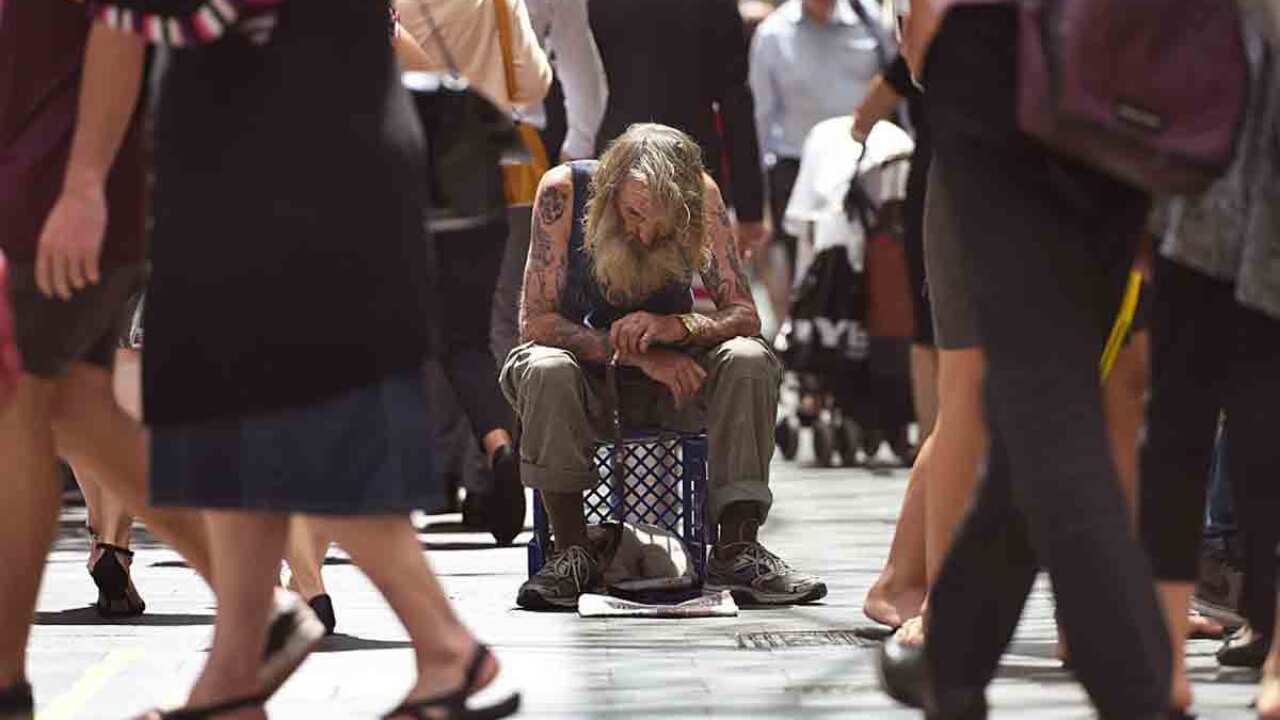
(628, 272)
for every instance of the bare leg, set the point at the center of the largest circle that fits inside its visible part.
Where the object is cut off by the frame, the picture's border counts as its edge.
(960, 444)
(111, 522)
(30, 495)
(924, 387)
(94, 435)
(1269, 692)
(1176, 599)
(304, 552)
(387, 550)
(1124, 400)
(899, 592)
(246, 549)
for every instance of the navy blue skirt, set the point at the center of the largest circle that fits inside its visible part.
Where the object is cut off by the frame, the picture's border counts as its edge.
(361, 452)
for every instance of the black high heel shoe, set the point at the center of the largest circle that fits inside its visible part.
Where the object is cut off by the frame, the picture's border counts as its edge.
(16, 702)
(454, 704)
(117, 597)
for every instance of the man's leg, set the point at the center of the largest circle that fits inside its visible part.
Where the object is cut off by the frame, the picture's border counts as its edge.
(30, 494)
(741, 399)
(556, 402)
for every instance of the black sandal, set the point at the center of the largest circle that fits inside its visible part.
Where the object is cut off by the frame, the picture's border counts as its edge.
(16, 702)
(117, 597)
(455, 703)
(207, 711)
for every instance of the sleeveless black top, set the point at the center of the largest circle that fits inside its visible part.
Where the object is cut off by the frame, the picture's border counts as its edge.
(583, 300)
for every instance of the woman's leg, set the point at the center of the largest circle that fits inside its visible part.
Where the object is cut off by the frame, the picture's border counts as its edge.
(1188, 351)
(1269, 693)
(97, 438)
(246, 549)
(960, 443)
(304, 552)
(109, 561)
(387, 550)
(898, 593)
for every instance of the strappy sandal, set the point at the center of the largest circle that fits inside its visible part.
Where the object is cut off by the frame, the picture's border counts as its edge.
(16, 702)
(454, 704)
(117, 597)
(207, 711)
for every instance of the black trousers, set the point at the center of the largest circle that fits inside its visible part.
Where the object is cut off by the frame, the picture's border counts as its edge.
(467, 273)
(1049, 244)
(1211, 355)
(782, 180)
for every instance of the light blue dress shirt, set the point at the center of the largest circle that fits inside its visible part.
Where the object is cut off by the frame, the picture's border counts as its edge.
(804, 71)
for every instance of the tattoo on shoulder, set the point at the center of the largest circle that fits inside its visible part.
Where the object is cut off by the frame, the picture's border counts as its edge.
(551, 204)
(723, 214)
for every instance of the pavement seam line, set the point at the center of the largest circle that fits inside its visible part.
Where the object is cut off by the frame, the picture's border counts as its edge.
(69, 704)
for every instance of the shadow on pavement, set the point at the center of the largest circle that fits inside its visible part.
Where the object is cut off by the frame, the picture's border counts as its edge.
(339, 642)
(89, 616)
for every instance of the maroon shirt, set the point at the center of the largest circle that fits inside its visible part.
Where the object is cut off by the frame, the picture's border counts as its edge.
(41, 49)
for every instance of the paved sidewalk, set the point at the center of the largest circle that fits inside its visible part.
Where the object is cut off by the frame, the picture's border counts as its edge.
(836, 522)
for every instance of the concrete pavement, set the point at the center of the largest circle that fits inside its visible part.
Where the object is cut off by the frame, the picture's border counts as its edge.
(783, 663)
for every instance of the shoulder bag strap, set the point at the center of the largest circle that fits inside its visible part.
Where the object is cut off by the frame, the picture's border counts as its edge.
(503, 16)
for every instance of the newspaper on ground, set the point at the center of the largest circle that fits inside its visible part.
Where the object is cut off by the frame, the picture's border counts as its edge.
(719, 604)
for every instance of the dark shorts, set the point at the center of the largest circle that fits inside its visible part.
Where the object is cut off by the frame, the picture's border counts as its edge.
(52, 334)
(361, 452)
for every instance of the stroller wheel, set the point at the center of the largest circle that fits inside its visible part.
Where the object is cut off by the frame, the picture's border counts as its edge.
(824, 442)
(849, 437)
(788, 439)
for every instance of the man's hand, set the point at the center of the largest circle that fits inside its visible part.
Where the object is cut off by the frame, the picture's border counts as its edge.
(634, 334)
(918, 30)
(681, 374)
(71, 242)
(752, 237)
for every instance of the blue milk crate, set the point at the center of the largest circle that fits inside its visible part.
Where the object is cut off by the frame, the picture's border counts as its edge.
(665, 484)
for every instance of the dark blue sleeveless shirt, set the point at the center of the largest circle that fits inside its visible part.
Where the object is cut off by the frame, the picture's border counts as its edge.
(583, 301)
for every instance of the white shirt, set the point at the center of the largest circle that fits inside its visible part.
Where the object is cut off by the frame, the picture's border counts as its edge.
(563, 30)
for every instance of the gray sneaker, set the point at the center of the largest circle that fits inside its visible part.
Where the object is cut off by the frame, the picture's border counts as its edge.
(564, 577)
(756, 576)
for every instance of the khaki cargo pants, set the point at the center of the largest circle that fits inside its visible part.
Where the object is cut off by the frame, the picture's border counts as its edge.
(564, 412)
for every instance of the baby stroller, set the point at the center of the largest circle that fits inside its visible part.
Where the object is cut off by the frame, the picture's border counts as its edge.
(846, 343)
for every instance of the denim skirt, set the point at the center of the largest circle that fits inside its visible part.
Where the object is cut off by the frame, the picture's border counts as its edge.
(361, 452)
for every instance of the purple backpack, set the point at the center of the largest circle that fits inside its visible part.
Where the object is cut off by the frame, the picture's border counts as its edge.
(1150, 91)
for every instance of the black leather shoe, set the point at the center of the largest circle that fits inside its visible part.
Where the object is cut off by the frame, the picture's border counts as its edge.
(1244, 649)
(902, 671)
(16, 702)
(505, 512)
(904, 676)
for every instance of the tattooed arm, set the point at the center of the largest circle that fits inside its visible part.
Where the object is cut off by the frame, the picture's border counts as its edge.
(735, 314)
(545, 272)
